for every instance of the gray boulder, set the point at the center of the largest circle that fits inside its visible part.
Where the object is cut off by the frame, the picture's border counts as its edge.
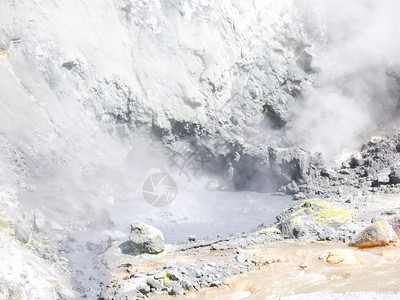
(305, 227)
(146, 239)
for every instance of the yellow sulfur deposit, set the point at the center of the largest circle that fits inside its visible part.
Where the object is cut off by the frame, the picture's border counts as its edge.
(324, 212)
(3, 53)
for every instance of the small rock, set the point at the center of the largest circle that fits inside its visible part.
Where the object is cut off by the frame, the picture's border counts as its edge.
(146, 239)
(145, 289)
(377, 219)
(398, 147)
(69, 65)
(374, 140)
(299, 196)
(394, 176)
(216, 283)
(241, 257)
(304, 266)
(187, 285)
(197, 273)
(356, 160)
(344, 172)
(212, 264)
(340, 257)
(175, 276)
(191, 238)
(176, 290)
(327, 173)
(381, 178)
(306, 204)
(378, 234)
(345, 165)
(159, 275)
(152, 283)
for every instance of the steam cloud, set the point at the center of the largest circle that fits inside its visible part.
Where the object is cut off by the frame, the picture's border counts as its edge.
(357, 90)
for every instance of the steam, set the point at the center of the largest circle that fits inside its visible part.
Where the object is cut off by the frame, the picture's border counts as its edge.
(356, 49)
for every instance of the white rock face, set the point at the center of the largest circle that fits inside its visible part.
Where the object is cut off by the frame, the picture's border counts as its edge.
(26, 270)
(146, 238)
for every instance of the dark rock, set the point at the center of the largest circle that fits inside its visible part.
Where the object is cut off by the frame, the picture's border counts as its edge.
(191, 238)
(175, 276)
(356, 160)
(394, 176)
(69, 65)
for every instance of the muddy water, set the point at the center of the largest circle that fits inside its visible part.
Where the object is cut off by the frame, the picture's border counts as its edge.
(301, 271)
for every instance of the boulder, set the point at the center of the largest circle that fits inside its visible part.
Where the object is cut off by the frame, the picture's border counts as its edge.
(305, 227)
(378, 234)
(146, 239)
(340, 257)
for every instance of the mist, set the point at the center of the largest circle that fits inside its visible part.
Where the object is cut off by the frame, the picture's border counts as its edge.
(355, 92)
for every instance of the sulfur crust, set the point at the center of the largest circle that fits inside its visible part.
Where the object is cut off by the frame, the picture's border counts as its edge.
(324, 212)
